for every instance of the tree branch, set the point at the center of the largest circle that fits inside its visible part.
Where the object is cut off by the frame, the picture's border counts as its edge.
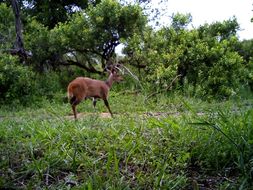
(83, 51)
(76, 63)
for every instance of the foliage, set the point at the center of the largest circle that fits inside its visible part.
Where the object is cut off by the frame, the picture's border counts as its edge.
(16, 81)
(87, 39)
(180, 21)
(245, 49)
(19, 84)
(205, 58)
(224, 75)
(208, 61)
(220, 30)
(51, 13)
(7, 35)
(250, 74)
(37, 38)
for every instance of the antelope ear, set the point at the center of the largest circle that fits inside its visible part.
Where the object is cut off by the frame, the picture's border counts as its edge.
(113, 70)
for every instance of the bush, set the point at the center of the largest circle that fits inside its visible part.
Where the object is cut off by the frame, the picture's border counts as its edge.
(16, 81)
(21, 84)
(224, 77)
(250, 74)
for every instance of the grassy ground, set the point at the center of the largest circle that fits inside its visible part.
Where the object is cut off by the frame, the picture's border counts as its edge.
(167, 142)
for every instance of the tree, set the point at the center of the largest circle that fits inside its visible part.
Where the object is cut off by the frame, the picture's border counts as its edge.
(220, 30)
(245, 49)
(180, 21)
(204, 58)
(89, 37)
(50, 13)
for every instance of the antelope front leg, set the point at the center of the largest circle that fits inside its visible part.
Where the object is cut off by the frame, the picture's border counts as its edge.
(108, 107)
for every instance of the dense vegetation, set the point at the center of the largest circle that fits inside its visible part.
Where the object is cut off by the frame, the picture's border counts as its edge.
(185, 123)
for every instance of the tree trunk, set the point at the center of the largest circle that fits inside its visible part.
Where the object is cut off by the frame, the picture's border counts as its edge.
(181, 72)
(18, 45)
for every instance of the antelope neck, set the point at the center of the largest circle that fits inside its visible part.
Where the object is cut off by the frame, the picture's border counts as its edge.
(109, 81)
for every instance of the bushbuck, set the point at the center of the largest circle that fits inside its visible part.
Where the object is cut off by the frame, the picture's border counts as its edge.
(82, 88)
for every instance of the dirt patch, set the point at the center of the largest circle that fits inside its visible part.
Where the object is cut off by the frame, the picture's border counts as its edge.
(83, 115)
(108, 115)
(145, 114)
(160, 114)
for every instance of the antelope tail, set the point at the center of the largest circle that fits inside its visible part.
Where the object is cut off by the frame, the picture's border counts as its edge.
(71, 97)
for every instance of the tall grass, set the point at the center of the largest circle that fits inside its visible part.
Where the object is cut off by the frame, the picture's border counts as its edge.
(223, 142)
(165, 143)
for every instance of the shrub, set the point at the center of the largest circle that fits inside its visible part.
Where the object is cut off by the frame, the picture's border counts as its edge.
(16, 81)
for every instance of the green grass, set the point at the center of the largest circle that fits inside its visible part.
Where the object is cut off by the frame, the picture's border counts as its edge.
(167, 142)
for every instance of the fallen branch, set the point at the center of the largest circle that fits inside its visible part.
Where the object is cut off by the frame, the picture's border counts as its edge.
(166, 89)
